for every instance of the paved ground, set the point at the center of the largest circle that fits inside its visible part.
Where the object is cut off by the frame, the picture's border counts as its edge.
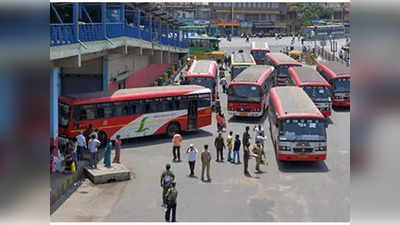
(285, 192)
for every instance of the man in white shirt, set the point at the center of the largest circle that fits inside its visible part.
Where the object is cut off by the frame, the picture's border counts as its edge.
(192, 158)
(81, 140)
(93, 145)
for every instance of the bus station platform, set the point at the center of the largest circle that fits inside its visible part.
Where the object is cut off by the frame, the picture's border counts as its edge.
(101, 175)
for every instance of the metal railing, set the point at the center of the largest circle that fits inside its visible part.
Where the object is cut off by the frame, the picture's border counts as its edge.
(63, 34)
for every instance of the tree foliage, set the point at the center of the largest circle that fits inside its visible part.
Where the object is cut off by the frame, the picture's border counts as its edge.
(313, 12)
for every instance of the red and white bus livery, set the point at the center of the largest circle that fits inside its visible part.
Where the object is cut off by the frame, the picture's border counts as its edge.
(281, 62)
(136, 112)
(203, 73)
(338, 75)
(316, 87)
(259, 51)
(298, 129)
(248, 92)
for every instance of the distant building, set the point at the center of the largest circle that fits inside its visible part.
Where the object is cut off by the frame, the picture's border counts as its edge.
(249, 17)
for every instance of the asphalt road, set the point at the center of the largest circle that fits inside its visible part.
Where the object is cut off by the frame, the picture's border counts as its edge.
(287, 192)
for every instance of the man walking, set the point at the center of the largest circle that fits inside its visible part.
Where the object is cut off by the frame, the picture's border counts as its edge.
(246, 137)
(93, 145)
(229, 141)
(176, 146)
(219, 145)
(171, 195)
(167, 177)
(258, 150)
(246, 157)
(205, 163)
(192, 151)
(81, 145)
(236, 148)
(223, 82)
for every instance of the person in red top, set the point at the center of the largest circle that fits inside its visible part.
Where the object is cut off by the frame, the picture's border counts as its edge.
(117, 149)
(176, 145)
(220, 121)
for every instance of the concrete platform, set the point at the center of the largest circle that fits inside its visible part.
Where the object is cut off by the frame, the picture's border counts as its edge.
(101, 175)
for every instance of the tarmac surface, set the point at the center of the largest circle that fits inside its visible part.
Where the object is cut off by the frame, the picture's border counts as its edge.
(287, 192)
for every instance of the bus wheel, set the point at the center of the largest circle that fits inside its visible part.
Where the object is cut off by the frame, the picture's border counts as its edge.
(102, 138)
(173, 128)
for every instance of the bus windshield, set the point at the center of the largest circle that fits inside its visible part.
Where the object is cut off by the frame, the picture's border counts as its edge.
(237, 69)
(64, 112)
(342, 85)
(317, 93)
(207, 82)
(258, 55)
(303, 130)
(244, 93)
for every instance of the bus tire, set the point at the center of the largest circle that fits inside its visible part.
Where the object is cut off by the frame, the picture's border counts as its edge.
(172, 128)
(102, 138)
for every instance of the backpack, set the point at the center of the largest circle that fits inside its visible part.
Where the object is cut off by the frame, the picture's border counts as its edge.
(167, 179)
(172, 195)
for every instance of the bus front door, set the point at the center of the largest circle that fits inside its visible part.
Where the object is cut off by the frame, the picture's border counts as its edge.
(192, 116)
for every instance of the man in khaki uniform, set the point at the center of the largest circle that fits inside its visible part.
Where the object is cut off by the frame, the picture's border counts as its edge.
(259, 151)
(205, 163)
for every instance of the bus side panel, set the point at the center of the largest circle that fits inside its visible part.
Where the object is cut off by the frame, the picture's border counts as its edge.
(204, 117)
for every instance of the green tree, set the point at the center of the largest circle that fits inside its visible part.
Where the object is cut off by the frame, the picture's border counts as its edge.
(313, 11)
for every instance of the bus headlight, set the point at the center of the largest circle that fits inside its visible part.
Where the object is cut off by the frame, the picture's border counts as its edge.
(284, 148)
(321, 149)
(257, 110)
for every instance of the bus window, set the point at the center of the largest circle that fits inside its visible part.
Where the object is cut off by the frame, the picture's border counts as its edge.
(64, 111)
(104, 110)
(120, 109)
(85, 112)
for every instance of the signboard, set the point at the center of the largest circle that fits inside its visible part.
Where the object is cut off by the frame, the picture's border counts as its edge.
(201, 22)
(113, 15)
(223, 22)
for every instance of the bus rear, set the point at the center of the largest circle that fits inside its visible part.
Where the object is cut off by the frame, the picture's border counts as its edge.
(297, 127)
(203, 73)
(316, 87)
(239, 62)
(259, 50)
(282, 63)
(338, 75)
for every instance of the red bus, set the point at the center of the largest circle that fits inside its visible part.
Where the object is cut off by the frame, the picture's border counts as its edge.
(338, 75)
(203, 73)
(298, 129)
(259, 51)
(247, 93)
(281, 62)
(136, 112)
(317, 88)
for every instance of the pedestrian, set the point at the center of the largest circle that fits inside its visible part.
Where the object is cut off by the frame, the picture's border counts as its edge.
(217, 105)
(107, 154)
(87, 132)
(192, 151)
(176, 146)
(117, 144)
(93, 145)
(75, 151)
(302, 40)
(171, 196)
(246, 137)
(226, 62)
(223, 82)
(205, 163)
(259, 152)
(259, 131)
(95, 133)
(229, 144)
(81, 140)
(236, 148)
(246, 157)
(220, 122)
(167, 177)
(219, 145)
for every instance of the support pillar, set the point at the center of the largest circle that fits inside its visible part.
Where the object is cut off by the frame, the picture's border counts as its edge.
(105, 73)
(55, 90)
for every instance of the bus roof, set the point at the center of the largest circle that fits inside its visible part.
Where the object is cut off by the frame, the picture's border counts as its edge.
(133, 93)
(257, 45)
(282, 59)
(253, 75)
(203, 38)
(339, 70)
(243, 58)
(202, 68)
(293, 102)
(306, 76)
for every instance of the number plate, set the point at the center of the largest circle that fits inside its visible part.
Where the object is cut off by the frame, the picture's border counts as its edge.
(303, 156)
(243, 114)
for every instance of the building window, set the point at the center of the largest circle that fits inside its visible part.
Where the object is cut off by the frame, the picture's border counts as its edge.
(273, 17)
